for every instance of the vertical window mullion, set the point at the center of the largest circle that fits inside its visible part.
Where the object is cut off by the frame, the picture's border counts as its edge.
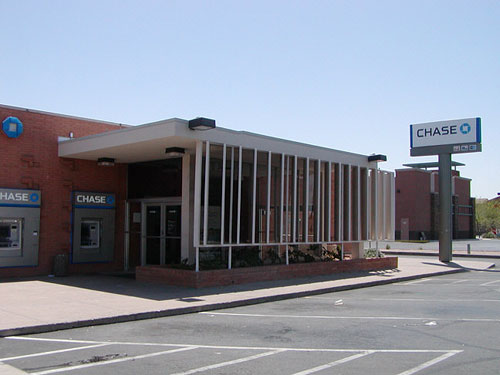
(238, 219)
(305, 230)
(223, 194)
(207, 181)
(268, 208)
(281, 196)
(318, 200)
(231, 197)
(254, 193)
(294, 232)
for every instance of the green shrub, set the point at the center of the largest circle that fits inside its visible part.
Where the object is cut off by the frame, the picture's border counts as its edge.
(488, 235)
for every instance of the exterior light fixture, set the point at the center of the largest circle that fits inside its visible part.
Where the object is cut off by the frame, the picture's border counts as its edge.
(105, 162)
(378, 157)
(201, 123)
(174, 152)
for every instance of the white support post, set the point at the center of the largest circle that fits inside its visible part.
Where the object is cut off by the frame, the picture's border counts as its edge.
(206, 196)
(384, 211)
(377, 216)
(238, 219)
(223, 195)
(329, 201)
(197, 201)
(268, 208)
(367, 206)
(231, 196)
(348, 209)
(254, 193)
(358, 199)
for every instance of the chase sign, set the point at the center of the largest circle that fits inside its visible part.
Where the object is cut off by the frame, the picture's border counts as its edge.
(93, 200)
(453, 136)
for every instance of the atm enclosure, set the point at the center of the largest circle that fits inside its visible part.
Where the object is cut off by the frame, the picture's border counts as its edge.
(19, 227)
(93, 227)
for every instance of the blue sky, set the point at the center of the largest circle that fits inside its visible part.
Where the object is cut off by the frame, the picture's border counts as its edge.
(350, 75)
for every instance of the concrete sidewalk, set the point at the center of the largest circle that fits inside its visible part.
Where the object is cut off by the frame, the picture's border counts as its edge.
(456, 253)
(49, 304)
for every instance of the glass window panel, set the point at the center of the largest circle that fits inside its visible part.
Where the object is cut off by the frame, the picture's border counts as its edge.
(215, 194)
(311, 209)
(301, 201)
(246, 196)
(275, 204)
(261, 198)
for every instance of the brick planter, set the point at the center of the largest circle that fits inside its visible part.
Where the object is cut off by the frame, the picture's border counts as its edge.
(192, 279)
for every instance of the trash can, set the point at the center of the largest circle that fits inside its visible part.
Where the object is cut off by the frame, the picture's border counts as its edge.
(60, 265)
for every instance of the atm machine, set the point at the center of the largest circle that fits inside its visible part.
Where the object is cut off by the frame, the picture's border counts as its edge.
(19, 227)
(93, 227)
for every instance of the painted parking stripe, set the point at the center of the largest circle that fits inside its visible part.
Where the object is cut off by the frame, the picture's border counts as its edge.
(332, 364)
(415, 282)
(350, 350)
(118, 360)
(51, 352)
(428, 364)
(351, 317)
(407, 299)
(229, 363)
(490, 283)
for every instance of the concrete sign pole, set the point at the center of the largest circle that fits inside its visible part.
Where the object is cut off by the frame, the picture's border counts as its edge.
(445, 214)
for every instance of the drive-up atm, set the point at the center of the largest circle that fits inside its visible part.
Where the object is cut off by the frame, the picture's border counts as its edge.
(93, 227)
(19, 227)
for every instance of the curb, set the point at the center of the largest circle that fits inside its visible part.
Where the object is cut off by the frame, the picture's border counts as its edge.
(427, 253)
(209, 307)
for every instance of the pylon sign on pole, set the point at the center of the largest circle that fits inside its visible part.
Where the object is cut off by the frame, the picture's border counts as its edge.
(444, 138)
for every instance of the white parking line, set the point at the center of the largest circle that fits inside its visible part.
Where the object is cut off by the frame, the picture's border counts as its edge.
(490, 283)
(428, 364)
(444, 354)
(332, 364)
(229, 363)
(51, 352)
(415, 282)
(407, 299)
(280, 316)
(350, 350)
(118, 360)
(459, 281)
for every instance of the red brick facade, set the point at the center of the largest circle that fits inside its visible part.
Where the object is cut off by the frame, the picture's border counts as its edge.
(417, 205)
(31, 162)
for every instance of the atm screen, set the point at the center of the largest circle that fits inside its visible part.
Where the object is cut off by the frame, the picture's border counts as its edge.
(10, 234)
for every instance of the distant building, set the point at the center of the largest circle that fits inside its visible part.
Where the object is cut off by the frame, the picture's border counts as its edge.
(417, 203)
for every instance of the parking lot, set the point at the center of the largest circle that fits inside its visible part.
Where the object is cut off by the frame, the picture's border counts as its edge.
(440, 325)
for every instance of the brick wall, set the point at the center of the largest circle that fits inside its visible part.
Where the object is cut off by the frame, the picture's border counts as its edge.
(202, 279)
(31, 162)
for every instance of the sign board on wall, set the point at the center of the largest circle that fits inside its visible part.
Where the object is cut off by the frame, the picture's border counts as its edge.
(20, 197)
(452, 137)
(93, 200)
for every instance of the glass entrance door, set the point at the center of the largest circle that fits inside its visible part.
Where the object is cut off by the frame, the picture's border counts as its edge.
(162, 234)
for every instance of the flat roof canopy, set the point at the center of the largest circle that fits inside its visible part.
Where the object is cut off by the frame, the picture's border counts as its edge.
(148, 142)
(431, 164)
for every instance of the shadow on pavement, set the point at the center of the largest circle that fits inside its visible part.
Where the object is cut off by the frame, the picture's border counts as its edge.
(129, 287)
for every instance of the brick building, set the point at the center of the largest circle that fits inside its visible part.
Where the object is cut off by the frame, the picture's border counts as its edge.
(417, 203)
(111, 197)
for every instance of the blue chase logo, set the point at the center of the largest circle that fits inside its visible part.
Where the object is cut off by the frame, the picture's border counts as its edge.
(465, 128)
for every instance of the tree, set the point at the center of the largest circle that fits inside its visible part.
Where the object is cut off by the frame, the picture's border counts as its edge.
(487, 216)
